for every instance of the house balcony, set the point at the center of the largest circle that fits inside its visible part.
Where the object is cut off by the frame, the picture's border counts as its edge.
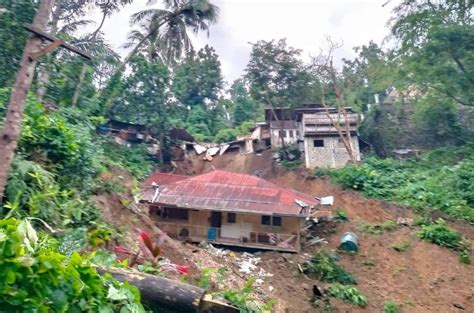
(239, 238)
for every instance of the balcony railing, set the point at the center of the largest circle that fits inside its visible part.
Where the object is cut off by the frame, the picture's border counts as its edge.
(243, 238)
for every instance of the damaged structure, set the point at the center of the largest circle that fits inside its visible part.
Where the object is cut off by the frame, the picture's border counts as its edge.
(228, 209)
(311, 128)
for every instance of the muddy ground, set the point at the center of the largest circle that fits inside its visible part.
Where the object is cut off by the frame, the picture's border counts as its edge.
(424, 278)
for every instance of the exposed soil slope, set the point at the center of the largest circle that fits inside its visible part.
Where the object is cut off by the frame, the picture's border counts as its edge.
(425, 278)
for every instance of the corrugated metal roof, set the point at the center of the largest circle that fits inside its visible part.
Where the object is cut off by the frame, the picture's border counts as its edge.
(163, 179)
(226, 191)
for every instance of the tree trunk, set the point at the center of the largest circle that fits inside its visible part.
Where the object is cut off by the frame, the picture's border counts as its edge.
(77, 91)
(12, 125)
(161, 294)
(44, 74)
(347, 141)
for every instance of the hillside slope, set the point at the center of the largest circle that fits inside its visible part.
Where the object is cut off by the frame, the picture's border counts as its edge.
(424, 278)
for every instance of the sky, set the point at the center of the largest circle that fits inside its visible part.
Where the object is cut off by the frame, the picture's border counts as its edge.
(305, 23)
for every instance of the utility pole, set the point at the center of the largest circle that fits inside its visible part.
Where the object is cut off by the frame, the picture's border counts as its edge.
(34, 49)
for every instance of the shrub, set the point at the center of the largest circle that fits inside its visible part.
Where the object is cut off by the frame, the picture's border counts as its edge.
(441, 179)
(324, 267)
(290, 165)
(390, 307)
(135, 158)
(348, 294)
(35, 277)
(33, 191)
(439, 233)
(321, 172)
(340, 215)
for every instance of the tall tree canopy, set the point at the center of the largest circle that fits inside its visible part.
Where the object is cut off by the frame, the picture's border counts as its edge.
(198, 79)
(276, 74)
(436, 47)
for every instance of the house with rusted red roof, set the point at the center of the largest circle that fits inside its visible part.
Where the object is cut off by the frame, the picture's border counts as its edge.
(228, 208)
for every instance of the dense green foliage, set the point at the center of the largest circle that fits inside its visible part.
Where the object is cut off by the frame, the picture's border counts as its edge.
(277, 75)
(349, 294)
(12, 17)
(441, 179)
(36, 278)
(439, 233)
(59, 163)
(324, 267)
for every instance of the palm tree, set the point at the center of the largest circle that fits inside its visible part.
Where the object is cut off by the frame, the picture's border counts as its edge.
(172, 38)
(170, 25)
(152, 44)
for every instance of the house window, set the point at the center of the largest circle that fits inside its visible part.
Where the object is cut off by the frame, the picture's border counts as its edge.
(271, 220)
(281, 133)
(291, 134)
(231, 217)
(266, 220)
(174, 214)
(318, 143)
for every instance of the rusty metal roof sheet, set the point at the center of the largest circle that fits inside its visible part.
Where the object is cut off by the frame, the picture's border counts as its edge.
(163, 179)
(226, 191)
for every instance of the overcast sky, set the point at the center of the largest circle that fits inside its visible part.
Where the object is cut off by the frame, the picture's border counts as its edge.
(305, 24)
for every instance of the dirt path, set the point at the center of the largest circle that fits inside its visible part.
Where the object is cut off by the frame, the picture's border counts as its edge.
(424, 278)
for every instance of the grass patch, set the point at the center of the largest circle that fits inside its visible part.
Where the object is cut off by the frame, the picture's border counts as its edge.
(390, 307)
(377, 229)
(401, 247)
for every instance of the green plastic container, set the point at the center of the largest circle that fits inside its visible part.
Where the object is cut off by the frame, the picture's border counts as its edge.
(349, 242)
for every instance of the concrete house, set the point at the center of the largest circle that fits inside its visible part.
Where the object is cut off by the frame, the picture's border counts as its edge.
(228, 209)
(323, 146)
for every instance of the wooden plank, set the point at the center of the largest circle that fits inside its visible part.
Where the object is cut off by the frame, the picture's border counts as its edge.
(51, 38)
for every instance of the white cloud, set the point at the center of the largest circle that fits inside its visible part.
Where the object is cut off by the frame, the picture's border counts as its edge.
(305, 24)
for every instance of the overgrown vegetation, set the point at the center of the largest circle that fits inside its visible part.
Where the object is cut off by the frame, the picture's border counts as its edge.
(35, 277)
(441, 179)
(348, 294)
(324, 267)
(439, 233)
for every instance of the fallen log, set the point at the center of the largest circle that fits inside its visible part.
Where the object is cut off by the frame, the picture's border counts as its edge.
(160, 294)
